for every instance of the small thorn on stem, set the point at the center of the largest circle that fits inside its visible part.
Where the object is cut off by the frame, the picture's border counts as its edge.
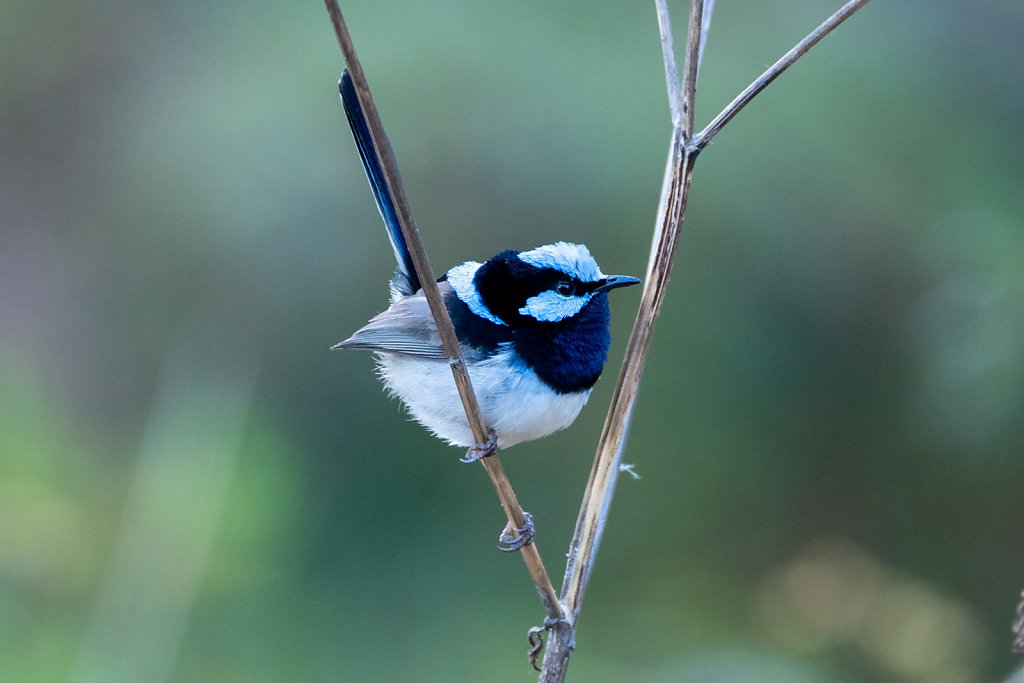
(629, 469)
(515, 538)
(482, 450)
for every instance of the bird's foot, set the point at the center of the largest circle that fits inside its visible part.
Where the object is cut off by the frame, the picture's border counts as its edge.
(535, 636)
(515, 538)
(482, 450)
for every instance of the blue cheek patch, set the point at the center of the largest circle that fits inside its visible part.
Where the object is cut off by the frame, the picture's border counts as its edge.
(549, 307)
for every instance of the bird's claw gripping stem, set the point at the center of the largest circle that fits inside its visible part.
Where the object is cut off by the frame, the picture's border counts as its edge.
(482, 450)
(515, 538)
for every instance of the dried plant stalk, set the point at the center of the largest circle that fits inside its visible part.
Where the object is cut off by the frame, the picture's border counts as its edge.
(492, 464)
(684, 148)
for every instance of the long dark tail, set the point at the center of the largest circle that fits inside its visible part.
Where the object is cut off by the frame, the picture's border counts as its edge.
(405, 281)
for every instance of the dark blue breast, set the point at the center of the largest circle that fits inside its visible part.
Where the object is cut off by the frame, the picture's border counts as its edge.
(568, 355)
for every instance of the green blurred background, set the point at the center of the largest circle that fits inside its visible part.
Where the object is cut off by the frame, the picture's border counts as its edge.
(192, 488)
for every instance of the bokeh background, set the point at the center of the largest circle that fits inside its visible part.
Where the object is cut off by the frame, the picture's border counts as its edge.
(829, 432)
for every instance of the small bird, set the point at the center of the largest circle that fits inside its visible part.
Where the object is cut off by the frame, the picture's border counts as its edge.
(532, 325)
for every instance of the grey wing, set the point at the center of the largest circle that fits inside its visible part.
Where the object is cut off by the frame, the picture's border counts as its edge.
(406, 328)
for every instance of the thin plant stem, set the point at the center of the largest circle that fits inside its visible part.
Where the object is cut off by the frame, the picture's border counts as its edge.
(668, 54)
(693, 43)
(450, 342)
(600, 488)
(683, 152)
(773, 72)
(705, 29)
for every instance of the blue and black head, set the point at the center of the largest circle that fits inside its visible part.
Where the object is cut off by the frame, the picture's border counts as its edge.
(550, 302)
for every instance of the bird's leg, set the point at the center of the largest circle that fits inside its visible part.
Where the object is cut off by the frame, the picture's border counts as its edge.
(515, 538)
(482, 450)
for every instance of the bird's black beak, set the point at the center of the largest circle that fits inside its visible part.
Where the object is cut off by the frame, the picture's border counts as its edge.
(613, 281)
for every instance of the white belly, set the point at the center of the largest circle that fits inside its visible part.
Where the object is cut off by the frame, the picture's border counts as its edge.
(513, 400)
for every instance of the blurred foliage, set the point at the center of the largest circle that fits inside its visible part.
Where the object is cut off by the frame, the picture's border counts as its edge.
(829, 431)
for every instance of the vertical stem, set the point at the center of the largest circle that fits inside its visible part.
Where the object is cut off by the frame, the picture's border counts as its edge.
(675, 193)
(603, 475)
(668, 54)
(705, 29)
(502, 486)
(693, 43)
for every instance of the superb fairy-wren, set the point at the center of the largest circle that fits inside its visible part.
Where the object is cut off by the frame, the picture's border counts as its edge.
(533, 327)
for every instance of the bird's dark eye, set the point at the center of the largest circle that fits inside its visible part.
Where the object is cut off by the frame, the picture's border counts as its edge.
(565, 288)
